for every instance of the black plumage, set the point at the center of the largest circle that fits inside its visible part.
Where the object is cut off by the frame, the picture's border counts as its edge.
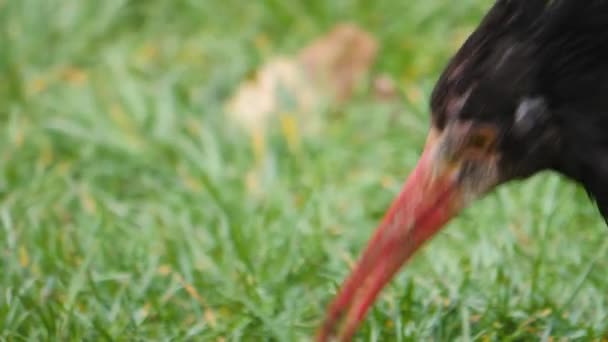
(554, 53)
(527, 92)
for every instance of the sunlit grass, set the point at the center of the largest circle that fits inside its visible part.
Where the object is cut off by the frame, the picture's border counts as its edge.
(130, 209)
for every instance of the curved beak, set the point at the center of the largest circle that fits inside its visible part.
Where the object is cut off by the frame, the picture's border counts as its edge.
(430, 197)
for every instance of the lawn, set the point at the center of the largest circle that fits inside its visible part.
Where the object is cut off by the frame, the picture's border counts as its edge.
(131, 209)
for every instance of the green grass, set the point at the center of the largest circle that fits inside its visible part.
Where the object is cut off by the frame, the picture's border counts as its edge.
(131, 210)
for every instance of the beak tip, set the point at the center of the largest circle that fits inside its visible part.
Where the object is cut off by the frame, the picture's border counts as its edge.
(428, 200)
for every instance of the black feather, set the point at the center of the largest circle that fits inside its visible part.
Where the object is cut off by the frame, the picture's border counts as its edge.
(556, 51)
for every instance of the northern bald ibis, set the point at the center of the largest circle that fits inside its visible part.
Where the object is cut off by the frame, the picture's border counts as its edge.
(527, 92)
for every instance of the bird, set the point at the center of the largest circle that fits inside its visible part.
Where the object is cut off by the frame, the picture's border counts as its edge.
(526, 92)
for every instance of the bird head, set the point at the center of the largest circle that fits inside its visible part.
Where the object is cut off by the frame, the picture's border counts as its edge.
(491, 122)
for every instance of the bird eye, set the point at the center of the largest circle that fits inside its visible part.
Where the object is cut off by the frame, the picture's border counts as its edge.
(482, 139)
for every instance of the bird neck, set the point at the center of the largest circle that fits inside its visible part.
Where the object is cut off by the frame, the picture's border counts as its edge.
(590, 169)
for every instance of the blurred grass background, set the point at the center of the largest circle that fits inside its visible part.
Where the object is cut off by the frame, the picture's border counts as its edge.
(127, 211)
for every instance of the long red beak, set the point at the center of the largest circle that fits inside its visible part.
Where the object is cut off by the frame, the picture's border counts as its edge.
(430, 197)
